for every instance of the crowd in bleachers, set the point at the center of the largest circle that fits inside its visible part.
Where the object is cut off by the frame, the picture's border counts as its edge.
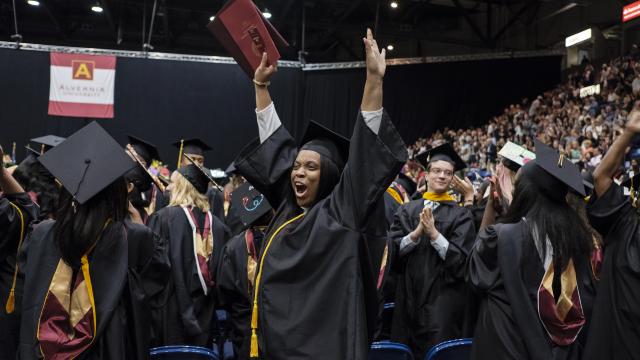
(582, 128)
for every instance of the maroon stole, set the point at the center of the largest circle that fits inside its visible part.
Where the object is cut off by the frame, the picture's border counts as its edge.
(564, 319)
(202, 247)
(252, 259)
(67, 322)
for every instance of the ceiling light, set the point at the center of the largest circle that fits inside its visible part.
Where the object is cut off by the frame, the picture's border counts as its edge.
(394, 4)
(211, 18)
(97, 8)
(33, 3)
(390, 47)
(266, 14)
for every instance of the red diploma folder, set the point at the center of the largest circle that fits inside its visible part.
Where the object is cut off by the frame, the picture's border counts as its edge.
(246, 34)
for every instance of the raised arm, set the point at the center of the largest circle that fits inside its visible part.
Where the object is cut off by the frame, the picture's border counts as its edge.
(376, 67)
(7, 183)
(376, 152)
(266, 163)
(603, 175)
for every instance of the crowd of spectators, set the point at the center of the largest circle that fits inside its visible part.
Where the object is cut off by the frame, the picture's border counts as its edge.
(582, 128)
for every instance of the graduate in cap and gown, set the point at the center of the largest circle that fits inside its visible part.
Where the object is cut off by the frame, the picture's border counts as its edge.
(195, 238)
(232, 216)
(237, 269)
(615, 330)
(434, 235)
(147, 196)
(532, 269)
(17, 211)
(195, 149)
(89, 276)
(315, 289)
(36, 180)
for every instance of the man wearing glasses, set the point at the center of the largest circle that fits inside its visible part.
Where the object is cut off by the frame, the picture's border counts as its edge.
(434, 235)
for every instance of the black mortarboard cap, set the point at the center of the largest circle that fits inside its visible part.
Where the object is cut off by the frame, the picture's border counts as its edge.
(192, 146)
(250, 204)
(407, 183)
(196, 176)
(87, 162)
(443, 152)
(145, 149)
(49, 141)
(326, 142)
(559, 167)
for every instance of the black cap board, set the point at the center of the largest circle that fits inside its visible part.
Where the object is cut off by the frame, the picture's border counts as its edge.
(192, 146)
(407, 183)
(250, 204)
(145, 149)
(326, 142)
(559, 167)
(196, 176)
(444, 152)
(49, 141)
(206, 173)
(87, 162)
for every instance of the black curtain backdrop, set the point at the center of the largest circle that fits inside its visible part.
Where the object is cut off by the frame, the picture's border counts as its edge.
(163, 100)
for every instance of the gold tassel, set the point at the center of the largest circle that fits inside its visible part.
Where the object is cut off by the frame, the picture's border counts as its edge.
(561, 160)
(10, 302)
(180, 153)
(42, 149)
(10, 306)
(254, 344)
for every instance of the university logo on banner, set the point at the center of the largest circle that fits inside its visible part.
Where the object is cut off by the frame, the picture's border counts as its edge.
(82, 85)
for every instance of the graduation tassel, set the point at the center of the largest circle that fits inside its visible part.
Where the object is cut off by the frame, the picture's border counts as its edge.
(13, 152)
(180, 153)
(10, 305)
(42, 149)
(254, 335)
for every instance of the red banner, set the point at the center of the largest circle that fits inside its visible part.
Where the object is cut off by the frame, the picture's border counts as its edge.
(82, 85)
(631, 11)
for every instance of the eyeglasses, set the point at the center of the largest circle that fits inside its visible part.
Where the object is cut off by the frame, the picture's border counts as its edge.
(436, 171)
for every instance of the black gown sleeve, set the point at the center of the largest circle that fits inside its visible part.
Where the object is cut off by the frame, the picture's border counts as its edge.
(149, 272)
(611, 211)
(374, 161)
(482, 270)
(267, 165)
(461, 241)
(10, 222)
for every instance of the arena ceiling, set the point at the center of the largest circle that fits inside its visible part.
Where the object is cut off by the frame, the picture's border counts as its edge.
(319, 30)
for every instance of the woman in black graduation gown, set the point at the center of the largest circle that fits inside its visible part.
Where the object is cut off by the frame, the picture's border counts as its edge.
(89, 276)
(532, 271)
(16, 212)
(195, 238)
(615, 330)
(315, 289)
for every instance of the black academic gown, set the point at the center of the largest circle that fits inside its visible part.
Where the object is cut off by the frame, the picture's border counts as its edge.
(506, 271)
(615, 330)
(186, 315)
(233, 221)
(10, 227)
(432, 299)
(129, 268)
(235, 290)
(317, 298)
(216, 202)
